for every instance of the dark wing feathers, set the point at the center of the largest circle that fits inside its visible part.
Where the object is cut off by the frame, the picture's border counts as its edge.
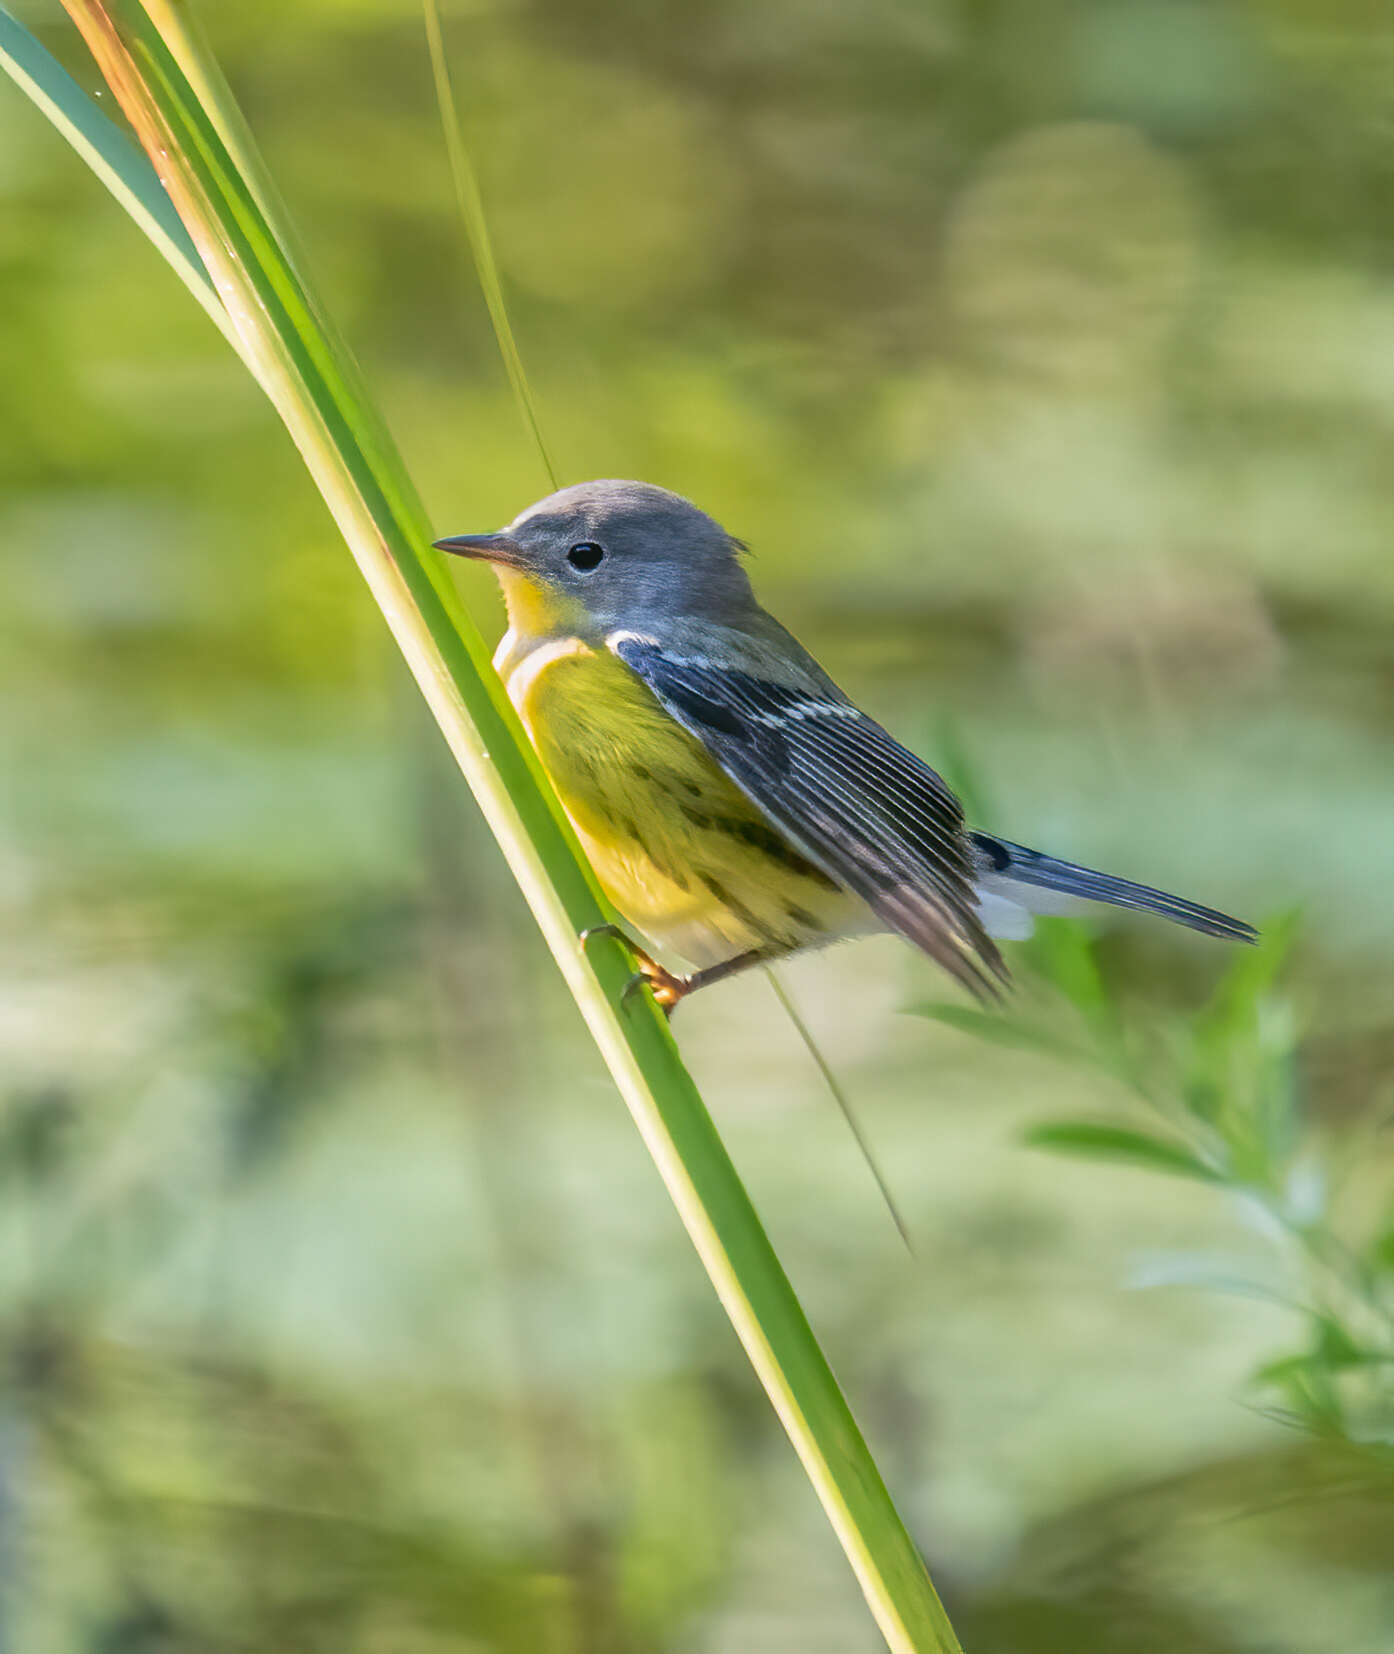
(850, 798)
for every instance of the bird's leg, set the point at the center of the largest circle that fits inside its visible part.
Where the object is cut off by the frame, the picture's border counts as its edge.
(667, 987)
(727, 967)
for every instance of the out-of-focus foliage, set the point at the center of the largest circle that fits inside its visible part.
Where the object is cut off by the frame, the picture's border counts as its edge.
(1219, 1089)
(1044, 353)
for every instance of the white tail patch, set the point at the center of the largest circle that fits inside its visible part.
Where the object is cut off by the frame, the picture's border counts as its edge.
(1003, 917)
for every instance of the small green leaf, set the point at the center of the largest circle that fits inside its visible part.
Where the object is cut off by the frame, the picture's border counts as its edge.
(1214, 1272)
(1062, 951)
(1334, 1348)
(1124, 1144)
(1203, 1098)
(1281, 1370)
(1233, 1009)
(1305, 1383)
(997, 1029)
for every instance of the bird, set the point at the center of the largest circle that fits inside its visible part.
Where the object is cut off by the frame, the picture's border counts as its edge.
(736, 805)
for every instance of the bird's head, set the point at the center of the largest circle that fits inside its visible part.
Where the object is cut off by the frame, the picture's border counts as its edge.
(605, 555)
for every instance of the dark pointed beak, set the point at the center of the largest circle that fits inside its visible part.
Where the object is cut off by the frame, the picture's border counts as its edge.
(488, 548)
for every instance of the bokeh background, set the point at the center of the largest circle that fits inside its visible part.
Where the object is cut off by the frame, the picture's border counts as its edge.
(1043, 351)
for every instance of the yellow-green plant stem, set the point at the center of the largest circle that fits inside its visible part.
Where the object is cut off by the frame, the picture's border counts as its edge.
(186, 121)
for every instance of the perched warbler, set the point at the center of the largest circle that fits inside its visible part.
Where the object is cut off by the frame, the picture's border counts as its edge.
(735, 804)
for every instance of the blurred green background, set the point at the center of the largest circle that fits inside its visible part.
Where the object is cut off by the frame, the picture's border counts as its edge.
(1043, 351)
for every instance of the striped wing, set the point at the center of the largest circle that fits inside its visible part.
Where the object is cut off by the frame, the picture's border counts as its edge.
(851, 799)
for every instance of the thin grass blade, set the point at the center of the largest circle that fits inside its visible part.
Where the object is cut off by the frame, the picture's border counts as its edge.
(481, 245)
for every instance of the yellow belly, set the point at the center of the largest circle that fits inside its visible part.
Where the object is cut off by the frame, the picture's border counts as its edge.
(679, 849)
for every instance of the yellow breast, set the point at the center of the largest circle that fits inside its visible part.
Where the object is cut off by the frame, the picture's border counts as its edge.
(680, 850)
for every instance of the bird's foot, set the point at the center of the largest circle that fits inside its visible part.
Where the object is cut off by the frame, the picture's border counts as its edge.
(667, 988)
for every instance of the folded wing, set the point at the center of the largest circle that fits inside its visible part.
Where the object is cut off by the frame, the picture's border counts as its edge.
(851, 799)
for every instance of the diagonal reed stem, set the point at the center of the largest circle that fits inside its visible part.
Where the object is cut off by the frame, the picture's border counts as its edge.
(172, 92)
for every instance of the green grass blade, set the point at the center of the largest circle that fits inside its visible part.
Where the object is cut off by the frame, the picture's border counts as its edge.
(170, 90)
(481, 245)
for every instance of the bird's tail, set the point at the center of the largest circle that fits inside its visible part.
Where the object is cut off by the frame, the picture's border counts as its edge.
(1009, 867)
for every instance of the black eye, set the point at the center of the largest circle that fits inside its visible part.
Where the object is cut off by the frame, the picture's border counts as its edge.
(585, 556)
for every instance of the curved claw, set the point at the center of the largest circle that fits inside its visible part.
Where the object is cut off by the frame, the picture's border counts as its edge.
(609, 928)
